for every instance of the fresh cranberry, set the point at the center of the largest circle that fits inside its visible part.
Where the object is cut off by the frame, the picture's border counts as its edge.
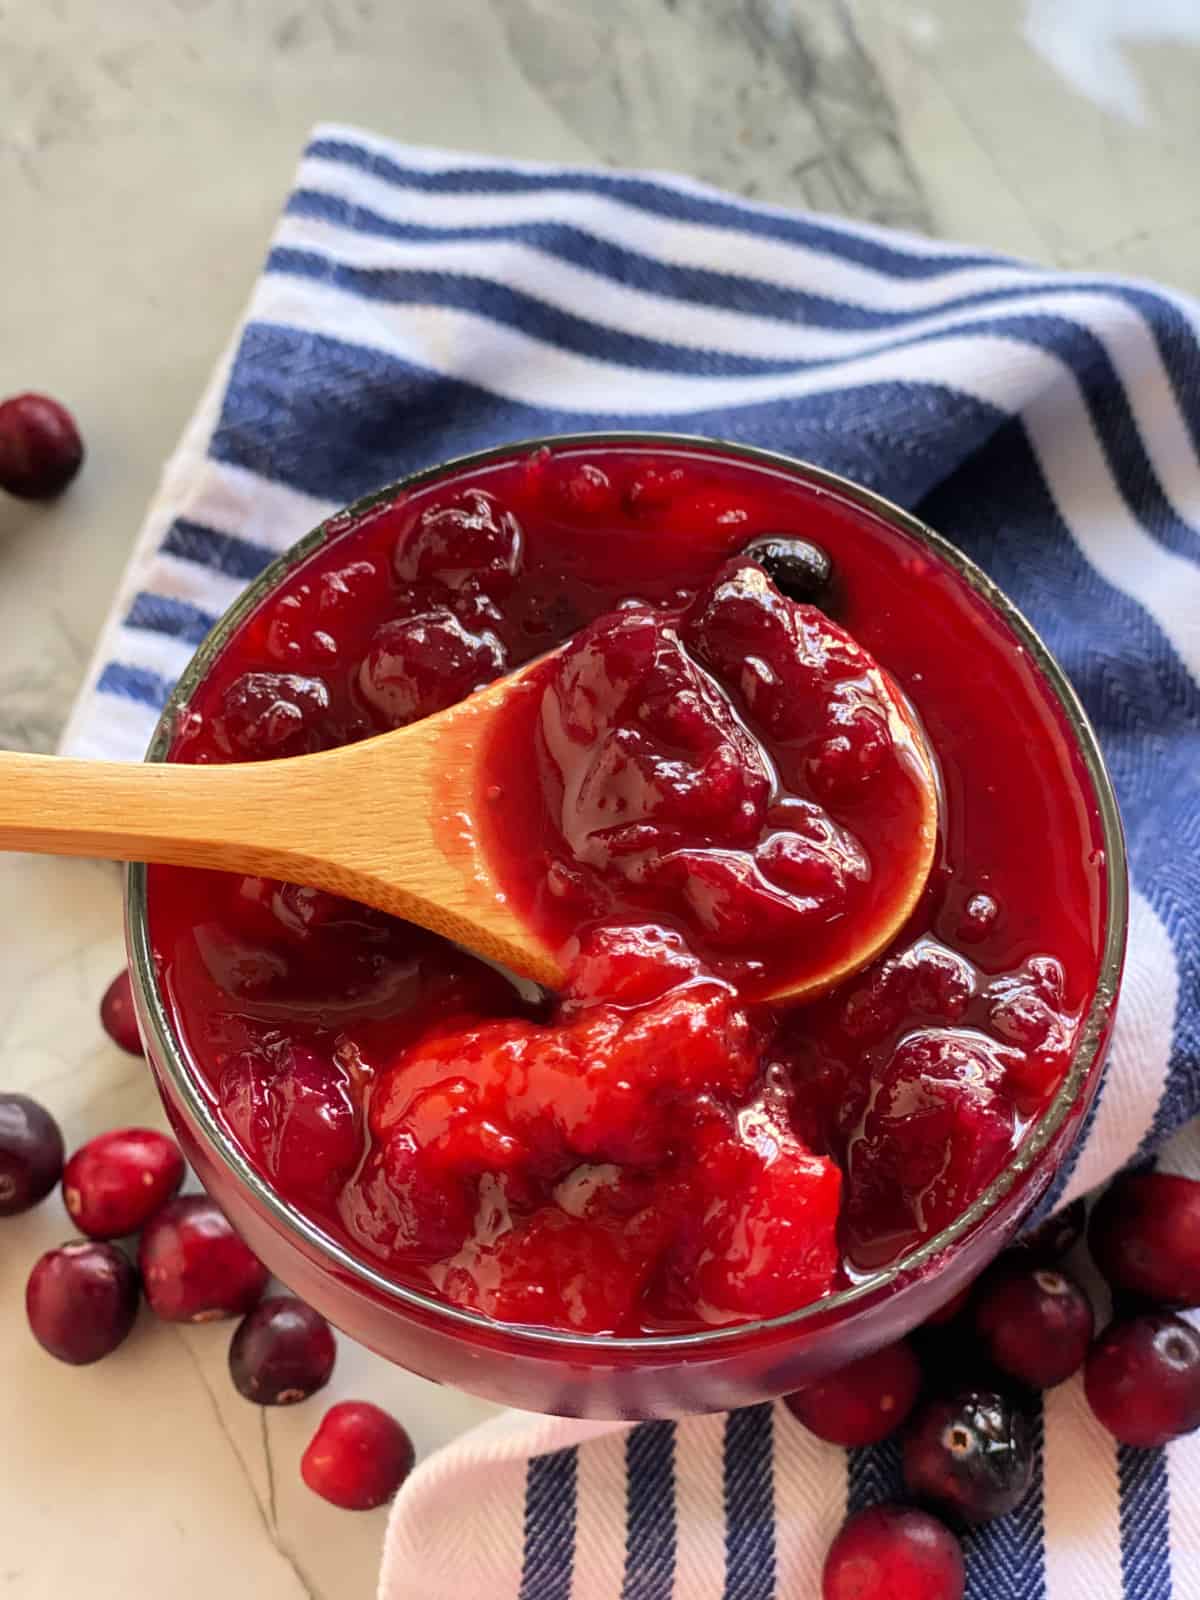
(1142, 1379)
(1053, 1238)
(282, 1351)
(953, 1307)
(40, 447)
(117, 1016)
(799, 569)
(115, 1183)
(358, 1457)
(194, 1267)
(893, 1553)
(1033, 1322)
(31, 1153)
(970, 1455)
(82, 1300)
(1145, 1237)
(864, 1402)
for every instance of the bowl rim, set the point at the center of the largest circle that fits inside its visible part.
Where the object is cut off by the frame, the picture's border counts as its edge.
(172, 1061)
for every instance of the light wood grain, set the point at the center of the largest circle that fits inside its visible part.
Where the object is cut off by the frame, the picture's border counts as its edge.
(388, 821)
(391, 822)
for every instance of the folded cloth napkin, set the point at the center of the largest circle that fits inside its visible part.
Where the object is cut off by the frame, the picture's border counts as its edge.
(418, 304)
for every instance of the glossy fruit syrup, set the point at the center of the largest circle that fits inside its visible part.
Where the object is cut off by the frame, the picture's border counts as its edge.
(705, 793)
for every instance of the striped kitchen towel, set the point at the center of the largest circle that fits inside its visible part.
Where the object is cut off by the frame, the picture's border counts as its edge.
(417, 304)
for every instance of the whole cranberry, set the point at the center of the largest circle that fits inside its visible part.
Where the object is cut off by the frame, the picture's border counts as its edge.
(40, 447)
(893, 1553)
(194, 1267)
(798, 568)
(1145, 1237)
(970, 1455)
(864, 1402)
(283, 1351)
(82, 1300)
(358, 1457)
(1051, 1239)
(1034, 1323)
(950, 1310)
(115, 1183)
(31, 1153)
(117, 1016)
(1142, 1379)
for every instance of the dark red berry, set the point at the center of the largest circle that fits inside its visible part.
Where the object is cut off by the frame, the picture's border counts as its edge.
(971, 1456)
(40, 447)
(978, 918)
(1142, 1379)
(799, 569)
(865, 1401)
(1033, 1322)
(82, 1300)
(283, 1351)
(194, 1267)
(950, 1310)
(115, 1183)
(117, 1016)
(358, 1457)
(1145, 1237)
(1051, 1239)
(893, 1553)
(31, 1153)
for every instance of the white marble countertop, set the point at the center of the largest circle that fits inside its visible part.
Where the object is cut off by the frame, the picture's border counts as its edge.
(143, 152)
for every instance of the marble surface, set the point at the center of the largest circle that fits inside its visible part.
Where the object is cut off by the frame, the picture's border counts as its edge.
(143, 151)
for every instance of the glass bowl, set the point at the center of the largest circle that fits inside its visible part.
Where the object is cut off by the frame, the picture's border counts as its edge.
(654, 1375)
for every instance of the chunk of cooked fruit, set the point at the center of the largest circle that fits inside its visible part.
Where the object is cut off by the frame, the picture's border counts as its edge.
(938, 1128)
(421, 664)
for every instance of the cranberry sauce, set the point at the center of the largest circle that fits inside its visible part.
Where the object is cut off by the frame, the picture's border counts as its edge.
(737, 767)
(653, 1149)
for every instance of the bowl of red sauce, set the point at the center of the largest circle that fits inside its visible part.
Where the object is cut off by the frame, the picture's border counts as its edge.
(660, 1190)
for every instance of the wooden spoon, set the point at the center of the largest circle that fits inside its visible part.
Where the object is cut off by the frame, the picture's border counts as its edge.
(388, 821)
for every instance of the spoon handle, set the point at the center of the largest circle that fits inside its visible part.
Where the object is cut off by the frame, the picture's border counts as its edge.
(385, 821)
(193, 816)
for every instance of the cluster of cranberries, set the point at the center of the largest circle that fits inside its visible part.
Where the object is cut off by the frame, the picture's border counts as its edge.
(82, 1298)
(956, 1392)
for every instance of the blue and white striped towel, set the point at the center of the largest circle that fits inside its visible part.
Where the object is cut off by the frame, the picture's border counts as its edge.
(417, 304)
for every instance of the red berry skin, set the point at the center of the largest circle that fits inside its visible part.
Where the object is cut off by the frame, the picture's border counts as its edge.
(1142, 1379)
(82, 1300)
(1145, 1237)
(971, 1456)
(1051, 1239)
(893, 1553)
(864, 1402)
(358, 1457)
(117, 1016)
(40, 447)
(282, 1352)
(194, 1267)
(950, 1310)
(115, 1183)
(31, 1153)
(1034, 1323)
